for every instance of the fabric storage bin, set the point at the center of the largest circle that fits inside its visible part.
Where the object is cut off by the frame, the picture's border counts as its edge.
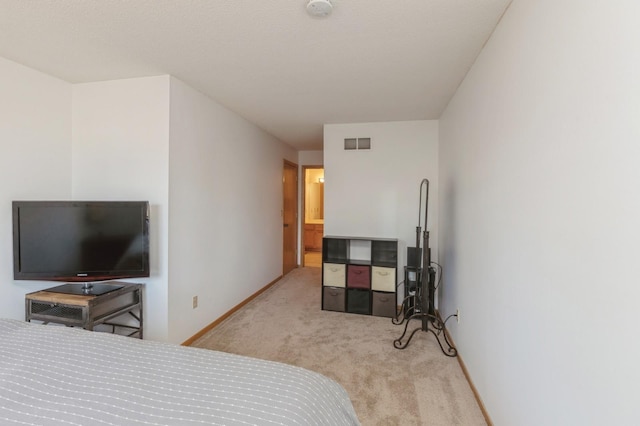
(383, 279)
(383, 304)
(358, 301)
(333, 274)
(358, 276)
(333, 299)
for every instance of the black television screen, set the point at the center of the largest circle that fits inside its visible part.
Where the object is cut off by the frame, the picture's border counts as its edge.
(80, 241)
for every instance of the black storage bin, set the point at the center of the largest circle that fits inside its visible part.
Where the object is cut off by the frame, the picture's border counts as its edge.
(333, 299)
(384, 304)
(358, 301)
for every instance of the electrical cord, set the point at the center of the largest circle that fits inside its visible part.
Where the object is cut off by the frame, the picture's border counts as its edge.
(444, 323)
(439, 271)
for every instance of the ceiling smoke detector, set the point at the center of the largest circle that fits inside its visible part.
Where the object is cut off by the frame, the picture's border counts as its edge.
(319, 8)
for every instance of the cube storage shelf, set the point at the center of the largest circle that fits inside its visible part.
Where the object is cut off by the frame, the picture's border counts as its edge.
(359, 275)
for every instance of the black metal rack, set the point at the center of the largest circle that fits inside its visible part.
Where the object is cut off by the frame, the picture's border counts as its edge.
(419, 301)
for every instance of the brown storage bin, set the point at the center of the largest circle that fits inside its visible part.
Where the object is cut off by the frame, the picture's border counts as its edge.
(358, 301)
(359, 276)
(384, 304)
(333, 299)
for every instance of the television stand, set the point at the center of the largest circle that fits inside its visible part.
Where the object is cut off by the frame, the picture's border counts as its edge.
(89, 310)
(86, 288)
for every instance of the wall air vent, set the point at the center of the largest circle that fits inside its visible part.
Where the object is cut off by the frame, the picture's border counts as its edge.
(364, 143)
(357, 143)
(350, 143)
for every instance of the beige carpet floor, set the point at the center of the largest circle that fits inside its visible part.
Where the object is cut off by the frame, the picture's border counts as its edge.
(414, 386)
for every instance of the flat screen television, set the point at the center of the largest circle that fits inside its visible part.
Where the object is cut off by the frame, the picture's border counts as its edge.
(80, 241)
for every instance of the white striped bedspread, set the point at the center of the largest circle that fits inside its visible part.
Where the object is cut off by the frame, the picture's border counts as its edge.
(51, 375)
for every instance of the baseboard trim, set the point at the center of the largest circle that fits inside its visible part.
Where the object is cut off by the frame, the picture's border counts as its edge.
(209, 327)
(483, 409)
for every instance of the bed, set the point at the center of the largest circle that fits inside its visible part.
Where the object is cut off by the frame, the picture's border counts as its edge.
(52, 375)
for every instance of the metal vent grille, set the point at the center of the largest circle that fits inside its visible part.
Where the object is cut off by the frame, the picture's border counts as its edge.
(364, 143)
(350, 143)
(357, 143)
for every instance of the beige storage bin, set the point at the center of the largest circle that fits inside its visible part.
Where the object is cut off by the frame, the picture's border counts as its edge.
(333, 275)
(383, 279)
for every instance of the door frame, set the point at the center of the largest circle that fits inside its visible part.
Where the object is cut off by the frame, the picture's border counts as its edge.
(303, 209)
(294, 210)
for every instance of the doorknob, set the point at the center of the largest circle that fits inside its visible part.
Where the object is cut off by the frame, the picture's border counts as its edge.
(286, 225)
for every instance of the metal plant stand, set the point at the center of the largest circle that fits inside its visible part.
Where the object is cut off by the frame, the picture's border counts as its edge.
(419, 304)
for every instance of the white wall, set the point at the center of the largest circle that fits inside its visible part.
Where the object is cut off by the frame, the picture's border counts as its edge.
(120, 152)
(154, 139)
(376, 193)
(35, 160)
(225, 209)
(310, 158)
(539, 214)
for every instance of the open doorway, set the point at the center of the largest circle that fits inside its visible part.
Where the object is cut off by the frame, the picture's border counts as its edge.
(313, 215)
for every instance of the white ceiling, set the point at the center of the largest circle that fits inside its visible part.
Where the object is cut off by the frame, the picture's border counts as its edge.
(267, 60)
